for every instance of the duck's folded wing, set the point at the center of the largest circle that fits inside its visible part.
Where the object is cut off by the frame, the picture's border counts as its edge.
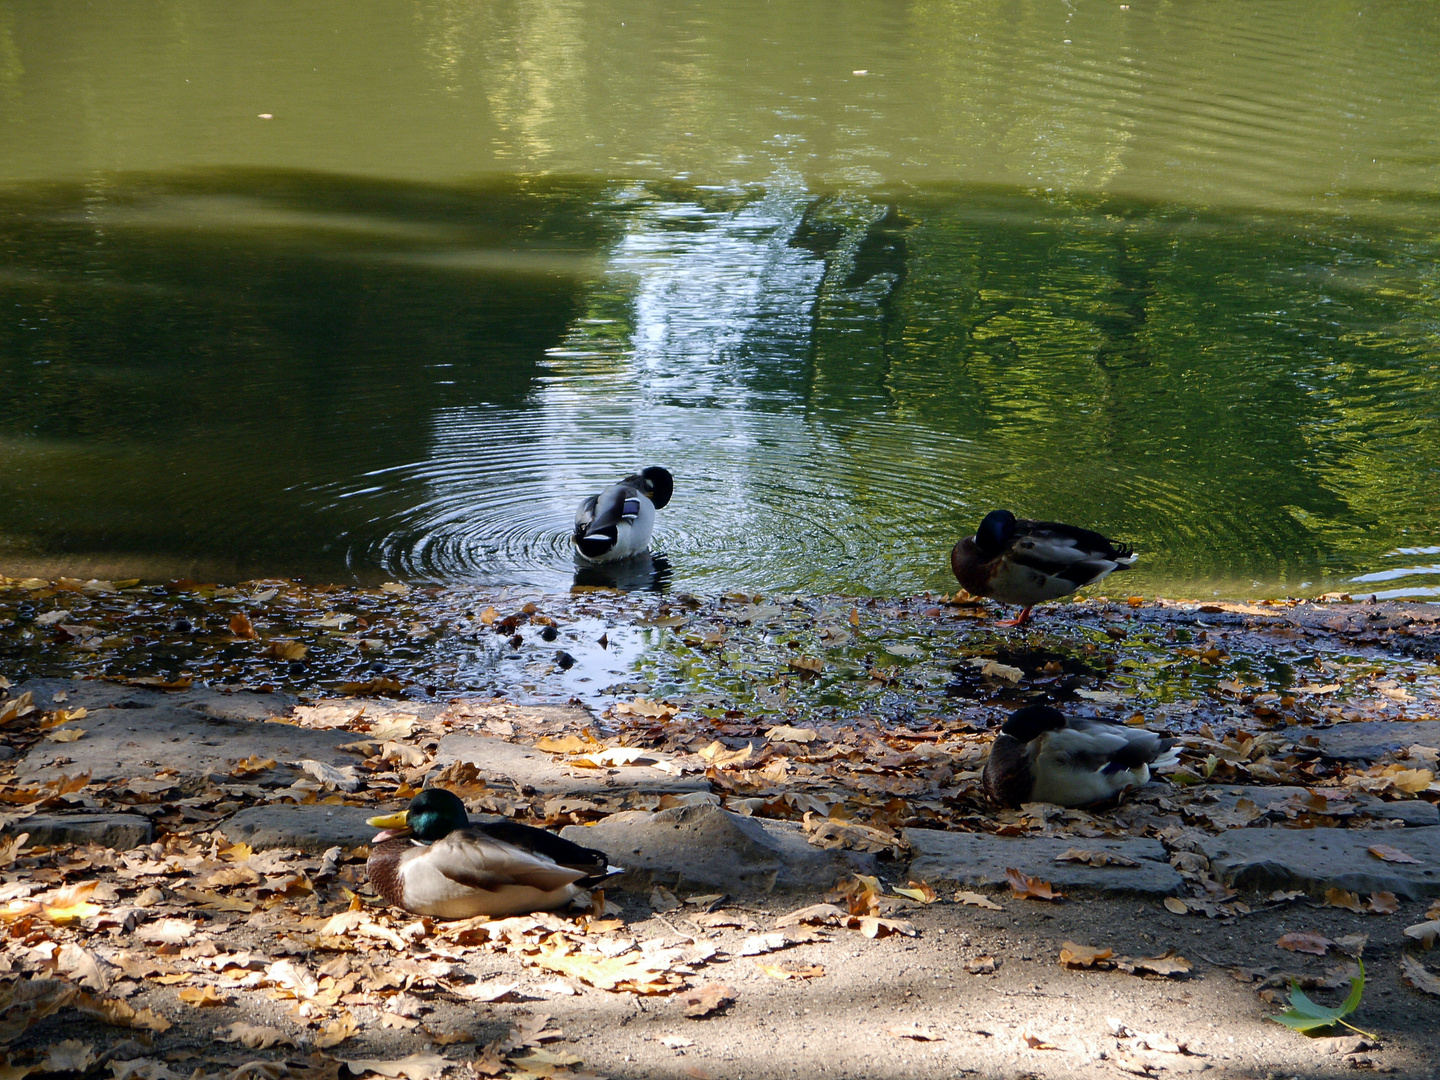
(1065, 551)
(546, 845)
(1086, 747)
(609, 507)
(476, 861)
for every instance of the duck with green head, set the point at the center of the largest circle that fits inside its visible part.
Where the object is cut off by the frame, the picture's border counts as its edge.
(432, 860)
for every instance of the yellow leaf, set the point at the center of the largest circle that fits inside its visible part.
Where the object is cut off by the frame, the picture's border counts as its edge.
(253, 1036)
(1072, 955)
(63, 735)
(334, 1032)
(565, 744)
(118, 1014)
(201, 996)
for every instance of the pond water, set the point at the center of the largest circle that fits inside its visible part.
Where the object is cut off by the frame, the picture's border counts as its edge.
(368, 291)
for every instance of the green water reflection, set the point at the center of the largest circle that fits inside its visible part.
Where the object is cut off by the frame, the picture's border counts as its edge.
(384, 290)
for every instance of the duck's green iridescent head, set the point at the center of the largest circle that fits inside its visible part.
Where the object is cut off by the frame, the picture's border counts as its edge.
(433, 814)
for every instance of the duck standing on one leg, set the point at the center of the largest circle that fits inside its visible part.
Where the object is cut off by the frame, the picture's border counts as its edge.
(1019, 561)
(432, 860)
(618, 522)
(1040, 756)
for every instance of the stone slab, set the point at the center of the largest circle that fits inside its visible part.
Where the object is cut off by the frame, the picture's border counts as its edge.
(499, 760)
(119, 831)
(705, 846)
(1366, 740)
(120, 743)
(982, 859)
(316, 827)
(1413, 812)
(97, 694)
(1318, 859)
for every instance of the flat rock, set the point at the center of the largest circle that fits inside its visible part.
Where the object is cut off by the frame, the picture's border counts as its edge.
(118, 831)
(1319, 859)
(1273, 800)
(982, 859)
(315, 827)
(703, 845)
(122, 742)
(497, 760)
(97, 694)
(1366, 740)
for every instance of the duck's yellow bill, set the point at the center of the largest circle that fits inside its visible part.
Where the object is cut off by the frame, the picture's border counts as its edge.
(388, 821)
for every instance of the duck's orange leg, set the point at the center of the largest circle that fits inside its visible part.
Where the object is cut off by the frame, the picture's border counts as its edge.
(1019, 620)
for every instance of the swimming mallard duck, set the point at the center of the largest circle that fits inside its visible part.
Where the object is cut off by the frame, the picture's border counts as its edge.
(618, 522)
(433, 861)
(1040, 756)
(1019, 561)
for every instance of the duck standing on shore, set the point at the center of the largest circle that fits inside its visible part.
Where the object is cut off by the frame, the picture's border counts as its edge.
(618, 522)
(1041, 756)
(432, 860)
(1019, 561)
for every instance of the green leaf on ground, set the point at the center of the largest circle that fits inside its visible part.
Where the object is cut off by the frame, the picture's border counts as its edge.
(1306, 1016)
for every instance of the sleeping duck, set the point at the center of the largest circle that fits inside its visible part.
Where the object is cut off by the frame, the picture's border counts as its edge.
(1019, 561)
(1040, 756)
(617, 523)
(433, 861)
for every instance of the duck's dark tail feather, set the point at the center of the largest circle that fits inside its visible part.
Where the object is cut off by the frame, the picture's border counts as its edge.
(594, 545)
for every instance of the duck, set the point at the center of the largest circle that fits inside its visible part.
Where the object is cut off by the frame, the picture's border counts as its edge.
(618, 522)
(1019, 561)
(1041, 755)
(430, 859)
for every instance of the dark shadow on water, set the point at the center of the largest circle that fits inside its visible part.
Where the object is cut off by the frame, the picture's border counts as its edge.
(646, 572)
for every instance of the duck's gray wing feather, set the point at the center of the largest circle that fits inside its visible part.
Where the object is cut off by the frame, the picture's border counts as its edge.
(472, 859)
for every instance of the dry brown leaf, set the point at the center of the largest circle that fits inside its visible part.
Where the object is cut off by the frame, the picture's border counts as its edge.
(1391, 854)
(1083, 956)
(118, 1014)
(786, 733)
(241, 626)
(791, 971)
(706, 999)
(720, 756)
(336, 1031)
(815, 915)
(811, 665)
(1419, 976)
(982, 965)
(1097, 857)
(872, 926)
(1034, 1042)
(638, 973)
(1176, 905)
(415, 1067)
(976, 900)
(28, 1002)
(167, 932)
(71, 1055)
(1166, 964)
(1426, 933)
(253, 1036)
(918, 890)
(1306, 941)
(1342, 898)
(202, 996)
(1031, 888)
(1384, 903)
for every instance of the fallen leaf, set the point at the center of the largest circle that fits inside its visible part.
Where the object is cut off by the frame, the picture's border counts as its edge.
(167, 932)
(1426, 932)
(72, 1055)
(1391, 854)
(706, 999)
(1034, 1042)
(420, 1066)
(118, 1014)
(1166, 964)
(29, 1001)
(1342, 898)
(791, 971)
(1176, 905)
(1084, 956)
(1419, 976)
(1306, 941)
(919, 891)
(976, 900)
(663, 900)
(1031, 888)
(982, 965)
(1384, 903)
(785, 733)
(253, 1036)
(1097, 857)
(202, 996)
(336, 1031)
(241, 626)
